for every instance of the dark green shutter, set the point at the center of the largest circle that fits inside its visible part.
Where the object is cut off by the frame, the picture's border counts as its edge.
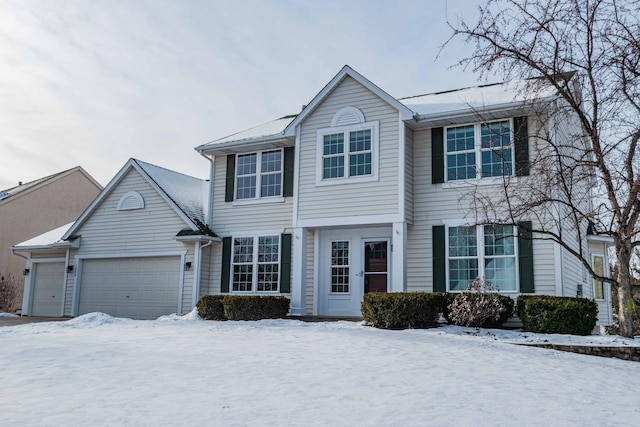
(437, 155)
(285, 264)
(521, 140)
(439, 259)
(226, 265)
(231, 178)
(289, 156)
(525, 257)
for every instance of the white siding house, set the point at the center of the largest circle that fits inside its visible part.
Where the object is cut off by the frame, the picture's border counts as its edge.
(359, 192)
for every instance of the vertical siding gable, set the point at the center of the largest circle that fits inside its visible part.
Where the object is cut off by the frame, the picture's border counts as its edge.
(376, 197)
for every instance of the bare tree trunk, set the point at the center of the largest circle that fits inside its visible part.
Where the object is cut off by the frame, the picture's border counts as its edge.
(625, 308)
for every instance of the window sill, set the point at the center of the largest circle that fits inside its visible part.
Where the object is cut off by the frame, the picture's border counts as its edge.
(343, 181)
(262, 201)
(499, 180)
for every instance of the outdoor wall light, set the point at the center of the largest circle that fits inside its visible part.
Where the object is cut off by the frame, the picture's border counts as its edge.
(70, 269)
(187, 266)
(26, 271)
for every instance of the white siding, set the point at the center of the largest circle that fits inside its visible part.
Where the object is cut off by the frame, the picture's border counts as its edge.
(408, 175)
(310, 272)
(356, 199)
(152, 229)
(228, 218)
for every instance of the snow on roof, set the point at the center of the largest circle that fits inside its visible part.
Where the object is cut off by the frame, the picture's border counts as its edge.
(47, 239)
(185, 191)
(269, 129)
(477, 97)
(27, 185)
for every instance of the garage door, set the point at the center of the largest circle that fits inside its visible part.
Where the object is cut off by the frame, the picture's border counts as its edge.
(137, 288)
(47, 289)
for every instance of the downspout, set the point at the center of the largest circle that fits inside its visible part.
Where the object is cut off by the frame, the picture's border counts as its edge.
(26, 289)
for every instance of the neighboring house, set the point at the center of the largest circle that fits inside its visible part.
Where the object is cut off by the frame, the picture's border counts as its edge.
(32, 208)
(136, 251)
(360, 192)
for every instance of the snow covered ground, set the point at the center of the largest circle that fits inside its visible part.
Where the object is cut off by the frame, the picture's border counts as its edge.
(98, 370)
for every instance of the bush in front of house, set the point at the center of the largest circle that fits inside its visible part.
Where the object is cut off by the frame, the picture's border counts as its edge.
(479, 310)
(251, 307)
(400, 310)
(478, 306)
(210, 307)
(557, 315)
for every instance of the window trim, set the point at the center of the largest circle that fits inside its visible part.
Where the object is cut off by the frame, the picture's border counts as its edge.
(478, 150)
(480, 255)
(255, 264)
(374, 126)
(259, 174)
(331, 266)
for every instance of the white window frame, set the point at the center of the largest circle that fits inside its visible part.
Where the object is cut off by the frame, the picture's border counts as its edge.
(478, 150)
(255, 263)
(480, 255)
(374, 127)
(348, 266)
(259, 174)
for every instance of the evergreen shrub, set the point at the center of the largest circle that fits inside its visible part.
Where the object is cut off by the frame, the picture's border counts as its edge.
(557, 315)
(402, 310)
(252, 307)
(210, 307)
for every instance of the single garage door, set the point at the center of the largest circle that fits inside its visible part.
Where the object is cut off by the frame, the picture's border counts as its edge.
(137, 288)
(47, 289)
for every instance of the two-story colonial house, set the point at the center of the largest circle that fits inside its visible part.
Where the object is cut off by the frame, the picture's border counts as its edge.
(359, 192)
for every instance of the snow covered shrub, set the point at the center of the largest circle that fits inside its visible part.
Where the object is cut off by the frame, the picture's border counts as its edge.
(479, 306)
(400, 310)
(557, 315)
(210, 307)
(8, 293)
(245, 307)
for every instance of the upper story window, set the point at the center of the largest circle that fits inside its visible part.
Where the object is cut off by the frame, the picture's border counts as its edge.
(259, 175)
(348, 151)
(481, 150)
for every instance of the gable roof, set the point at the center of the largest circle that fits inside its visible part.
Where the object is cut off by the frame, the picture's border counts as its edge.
(27, 187)
(184, 193)
(485, 102)
(346, 71)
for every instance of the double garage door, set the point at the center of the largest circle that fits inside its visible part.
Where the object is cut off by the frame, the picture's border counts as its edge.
(137, 288)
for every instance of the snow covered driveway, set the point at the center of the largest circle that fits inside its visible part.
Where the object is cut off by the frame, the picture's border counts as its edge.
(97, 370)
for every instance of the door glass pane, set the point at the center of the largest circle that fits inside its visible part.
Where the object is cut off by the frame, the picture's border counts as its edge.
(375, 266)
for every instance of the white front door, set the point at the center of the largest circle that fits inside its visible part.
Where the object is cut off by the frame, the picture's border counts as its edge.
(351, 264)
(48, 287)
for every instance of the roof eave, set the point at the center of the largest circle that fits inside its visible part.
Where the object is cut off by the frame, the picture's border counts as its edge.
(495, 111)
(230, 147)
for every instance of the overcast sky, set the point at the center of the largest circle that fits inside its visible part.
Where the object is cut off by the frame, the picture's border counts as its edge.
(95, 82)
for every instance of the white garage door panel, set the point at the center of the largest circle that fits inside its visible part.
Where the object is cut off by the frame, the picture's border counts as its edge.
(139, 288)
(47, 289)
